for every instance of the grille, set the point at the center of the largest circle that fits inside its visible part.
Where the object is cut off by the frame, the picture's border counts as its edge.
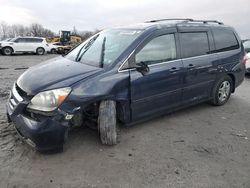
(15, 98)
(21, 92)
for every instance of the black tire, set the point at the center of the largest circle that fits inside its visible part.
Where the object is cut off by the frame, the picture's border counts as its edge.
(7, 51)
(53, 51)
(40, 51)
(107, 122)
(222, 91)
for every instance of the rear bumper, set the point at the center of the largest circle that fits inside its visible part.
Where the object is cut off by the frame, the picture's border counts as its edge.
(239, 73)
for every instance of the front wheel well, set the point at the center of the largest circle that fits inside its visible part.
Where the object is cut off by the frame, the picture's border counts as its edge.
(40, 47)
(91, 111)
(8, 47)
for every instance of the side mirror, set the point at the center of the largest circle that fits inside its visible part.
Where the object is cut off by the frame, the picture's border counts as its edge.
(142, 67)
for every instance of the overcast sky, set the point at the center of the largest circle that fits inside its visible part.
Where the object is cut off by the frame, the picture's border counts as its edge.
(100, 14)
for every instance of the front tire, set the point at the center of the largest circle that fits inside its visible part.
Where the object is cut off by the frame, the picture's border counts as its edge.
(40, 51)
(107, 122)
(7, 51)
(222, 91)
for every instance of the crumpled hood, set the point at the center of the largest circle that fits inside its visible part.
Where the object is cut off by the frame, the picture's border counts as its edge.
(56, 73)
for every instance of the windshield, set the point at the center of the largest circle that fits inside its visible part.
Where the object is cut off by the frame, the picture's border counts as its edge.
(13, 40)
(104, 48)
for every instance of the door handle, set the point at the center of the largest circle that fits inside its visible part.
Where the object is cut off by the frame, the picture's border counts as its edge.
(173, 69)
(191, 66)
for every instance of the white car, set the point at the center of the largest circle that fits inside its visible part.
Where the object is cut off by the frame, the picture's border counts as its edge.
(53, 47)
(248, 63)
(36, 45)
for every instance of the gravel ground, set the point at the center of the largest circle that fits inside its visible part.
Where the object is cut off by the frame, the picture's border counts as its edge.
(201, 146)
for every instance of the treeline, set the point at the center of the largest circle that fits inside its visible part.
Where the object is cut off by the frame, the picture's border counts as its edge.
(35, 30)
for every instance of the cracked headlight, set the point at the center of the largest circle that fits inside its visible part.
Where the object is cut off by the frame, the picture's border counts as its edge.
(48, 101)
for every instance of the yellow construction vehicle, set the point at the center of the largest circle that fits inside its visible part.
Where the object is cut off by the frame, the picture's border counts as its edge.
(66, 39)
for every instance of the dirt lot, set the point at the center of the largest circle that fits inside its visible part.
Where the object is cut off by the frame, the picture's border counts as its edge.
(202, 146)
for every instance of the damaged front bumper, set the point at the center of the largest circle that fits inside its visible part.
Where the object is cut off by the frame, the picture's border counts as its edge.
(40, 131)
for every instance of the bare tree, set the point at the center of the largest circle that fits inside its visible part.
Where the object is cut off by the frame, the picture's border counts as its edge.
(47, 33)
(20, 30)
(36, 30)
(4, 30)
(74, 31)
(86, 34)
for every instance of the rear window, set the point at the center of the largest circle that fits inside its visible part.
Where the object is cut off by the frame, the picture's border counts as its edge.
(194, 44)
(225, 40)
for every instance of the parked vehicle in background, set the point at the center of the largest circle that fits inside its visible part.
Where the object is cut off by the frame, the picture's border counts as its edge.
(66, 41)
(64, 48)
(246, 45)
(127, 75)
(36, 45)
(65, 37)
(53, 47)
(248, 63)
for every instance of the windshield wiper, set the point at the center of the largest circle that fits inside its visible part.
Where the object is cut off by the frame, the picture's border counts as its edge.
(102, 52)
(85, 47)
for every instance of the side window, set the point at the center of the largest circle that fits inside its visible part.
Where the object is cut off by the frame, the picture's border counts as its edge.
(38, 40)
(28, 40)
(17, 40)
(225, 40)
(34, 40)
(159, 49)
(24, 40)
(194, 44)
(21, 40)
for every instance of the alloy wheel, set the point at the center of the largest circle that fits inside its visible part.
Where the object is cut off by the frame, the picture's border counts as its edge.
(224, 90)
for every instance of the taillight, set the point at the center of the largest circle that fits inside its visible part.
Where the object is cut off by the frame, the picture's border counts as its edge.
(244, 61)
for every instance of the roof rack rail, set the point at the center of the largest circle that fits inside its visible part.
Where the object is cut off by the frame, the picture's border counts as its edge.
(186, 20)
(170, 19)
(208, 21)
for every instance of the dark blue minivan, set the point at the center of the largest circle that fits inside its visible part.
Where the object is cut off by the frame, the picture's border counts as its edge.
(125, 75)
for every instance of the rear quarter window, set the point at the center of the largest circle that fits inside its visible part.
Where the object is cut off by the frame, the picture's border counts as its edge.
(225, 40)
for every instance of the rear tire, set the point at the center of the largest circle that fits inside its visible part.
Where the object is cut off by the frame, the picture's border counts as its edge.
(222, 91)
(40, 51)
(7, 51)
(107, 122)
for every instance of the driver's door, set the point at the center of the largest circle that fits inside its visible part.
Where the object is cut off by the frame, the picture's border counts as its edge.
(161, 88)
